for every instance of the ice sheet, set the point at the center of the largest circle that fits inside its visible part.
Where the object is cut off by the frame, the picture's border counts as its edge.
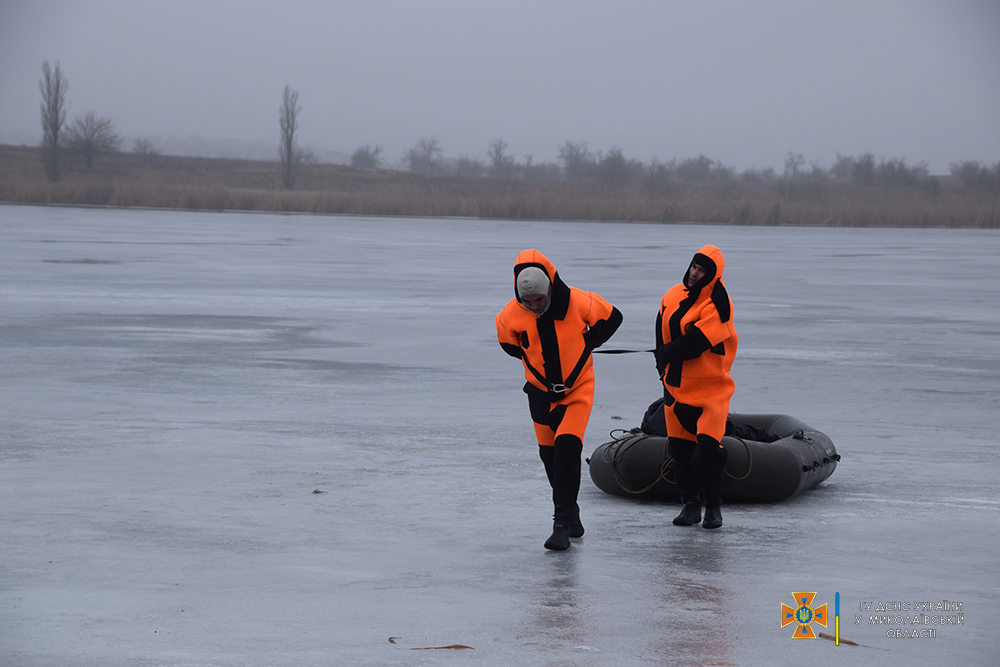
(265, 440)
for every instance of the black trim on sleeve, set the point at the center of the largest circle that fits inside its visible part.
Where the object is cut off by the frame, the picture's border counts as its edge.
(689, 346)
(511, 349)
(661, 364)
(602, 330)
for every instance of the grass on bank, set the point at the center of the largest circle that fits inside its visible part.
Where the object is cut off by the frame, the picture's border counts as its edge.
(128, 180)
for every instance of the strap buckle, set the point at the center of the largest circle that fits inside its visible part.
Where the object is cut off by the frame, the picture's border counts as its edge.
(558, 388)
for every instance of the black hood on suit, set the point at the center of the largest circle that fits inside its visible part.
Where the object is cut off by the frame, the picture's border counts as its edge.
(705, 262)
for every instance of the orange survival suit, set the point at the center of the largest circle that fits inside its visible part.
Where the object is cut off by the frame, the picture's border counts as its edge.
(555, 349)
(695, 347)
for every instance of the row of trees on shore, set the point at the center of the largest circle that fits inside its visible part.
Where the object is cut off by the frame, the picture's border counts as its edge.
(577, 162)
(91, 135)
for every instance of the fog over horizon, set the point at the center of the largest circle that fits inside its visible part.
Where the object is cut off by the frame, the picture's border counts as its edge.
(741, 83)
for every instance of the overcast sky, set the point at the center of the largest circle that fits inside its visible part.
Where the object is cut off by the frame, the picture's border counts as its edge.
(742, 82)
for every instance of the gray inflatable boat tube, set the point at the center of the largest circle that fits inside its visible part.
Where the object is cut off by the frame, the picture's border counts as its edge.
(637, 464)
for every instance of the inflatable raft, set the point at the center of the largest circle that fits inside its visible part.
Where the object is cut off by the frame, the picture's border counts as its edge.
(637, 464)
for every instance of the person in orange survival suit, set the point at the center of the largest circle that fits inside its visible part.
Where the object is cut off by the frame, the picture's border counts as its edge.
(695, 346)
(552, 328)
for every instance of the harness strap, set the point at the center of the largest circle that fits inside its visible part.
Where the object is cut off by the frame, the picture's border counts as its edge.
(534, 371)
(567, 384)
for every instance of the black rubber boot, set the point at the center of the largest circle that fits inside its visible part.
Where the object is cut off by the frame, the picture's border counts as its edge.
(687, 482)
(566, 485)
(573, 525)
(708, 462)
(559, 540)
(690, 515)
(713, 517)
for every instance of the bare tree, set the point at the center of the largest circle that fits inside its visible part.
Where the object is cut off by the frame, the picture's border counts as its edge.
(702, 169)
(501, 163)
(616, 169)
(425, 157)
(53, 87)
(578, 162)
(92, 135)
(308, 156)
(974, 174)
(367, 157)
(145, 149)
(793, 164)
(863, 169)
(841, 168)
(288, 115)
(469, 167)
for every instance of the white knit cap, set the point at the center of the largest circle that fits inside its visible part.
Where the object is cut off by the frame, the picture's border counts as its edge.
(532, 280)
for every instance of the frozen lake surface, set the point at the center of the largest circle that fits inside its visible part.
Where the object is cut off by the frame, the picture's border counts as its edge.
(279, 440)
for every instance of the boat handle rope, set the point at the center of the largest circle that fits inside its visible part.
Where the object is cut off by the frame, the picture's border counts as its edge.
(623, 446)
(749, 456)
(621, 440)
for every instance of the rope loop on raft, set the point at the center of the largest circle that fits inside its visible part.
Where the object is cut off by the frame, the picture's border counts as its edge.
(620, 448)
(622, 444)
(749, 456)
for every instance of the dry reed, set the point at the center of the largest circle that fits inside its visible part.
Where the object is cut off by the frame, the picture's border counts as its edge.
(127, 180)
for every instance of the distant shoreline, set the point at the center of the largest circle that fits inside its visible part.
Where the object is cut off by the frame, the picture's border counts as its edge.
(127, 180)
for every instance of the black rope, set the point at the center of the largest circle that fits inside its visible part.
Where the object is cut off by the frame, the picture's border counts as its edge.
(621, 445)
(623, 441)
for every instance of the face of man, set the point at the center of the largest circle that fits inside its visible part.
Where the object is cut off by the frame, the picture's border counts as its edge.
(534, 302)
(695, 273)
